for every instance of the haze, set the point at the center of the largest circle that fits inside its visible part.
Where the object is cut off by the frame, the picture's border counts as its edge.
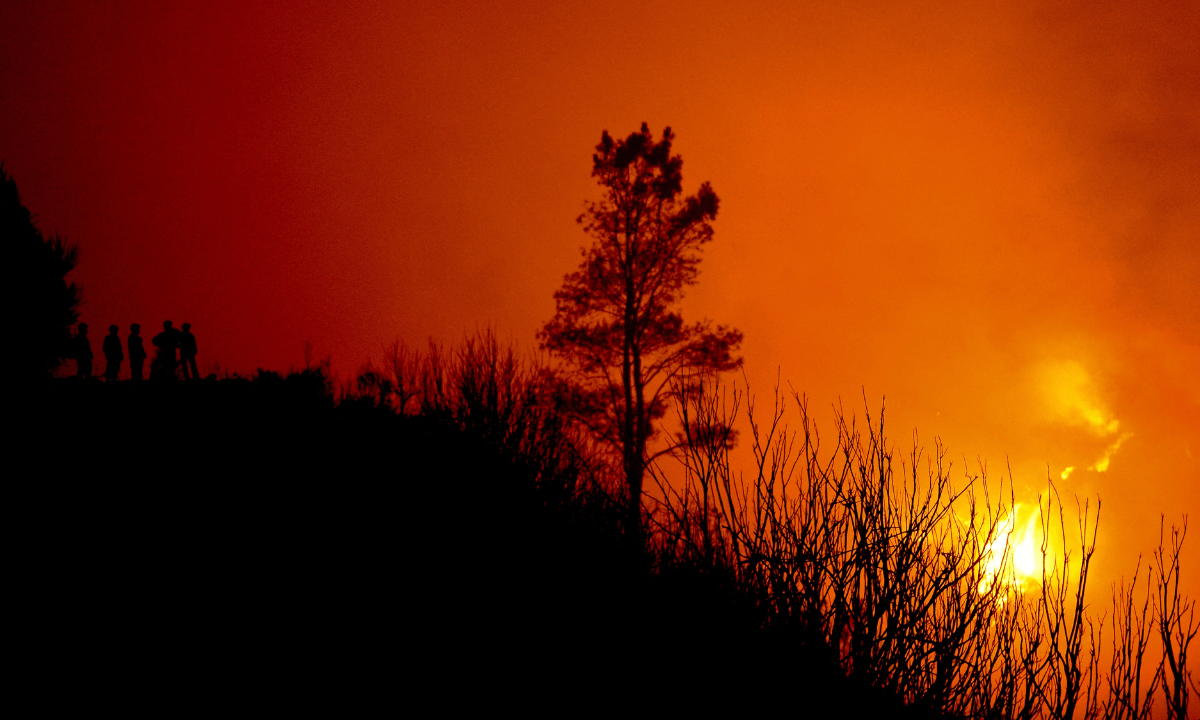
(989, 213)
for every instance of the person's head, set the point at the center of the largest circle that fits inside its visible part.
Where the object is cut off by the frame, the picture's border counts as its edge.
(135, 328)
(185, 327)
(113, 329)
(166, 324)
(83, 328)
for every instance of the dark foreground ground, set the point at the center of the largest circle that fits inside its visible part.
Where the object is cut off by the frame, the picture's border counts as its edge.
(223, 544)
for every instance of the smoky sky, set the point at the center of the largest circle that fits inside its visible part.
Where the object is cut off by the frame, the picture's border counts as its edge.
(987, 212)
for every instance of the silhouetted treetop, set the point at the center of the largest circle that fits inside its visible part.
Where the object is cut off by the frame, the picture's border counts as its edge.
(46, 305)
(617, 325)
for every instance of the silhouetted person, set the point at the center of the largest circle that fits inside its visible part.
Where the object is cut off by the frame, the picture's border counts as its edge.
(187, 352)
(112, 354)
(137, 353)
(82, 352)
(167, 341)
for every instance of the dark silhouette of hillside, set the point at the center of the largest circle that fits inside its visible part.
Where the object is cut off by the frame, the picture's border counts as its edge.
(438, 533)
(259, 535)
(259, 524)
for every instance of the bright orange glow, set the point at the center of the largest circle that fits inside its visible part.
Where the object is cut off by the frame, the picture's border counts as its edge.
(1015, 556)
(987, 212)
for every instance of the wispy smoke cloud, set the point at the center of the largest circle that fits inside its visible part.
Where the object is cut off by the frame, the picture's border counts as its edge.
(1102, 464)
(1072, 398)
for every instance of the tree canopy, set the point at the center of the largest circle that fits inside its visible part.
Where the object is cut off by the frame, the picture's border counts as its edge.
(617, 325)
(46, 305)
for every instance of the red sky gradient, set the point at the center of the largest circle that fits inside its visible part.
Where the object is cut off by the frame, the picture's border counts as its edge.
(989, 213)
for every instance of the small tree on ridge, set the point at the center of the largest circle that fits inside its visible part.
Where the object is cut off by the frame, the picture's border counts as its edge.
(617, 326)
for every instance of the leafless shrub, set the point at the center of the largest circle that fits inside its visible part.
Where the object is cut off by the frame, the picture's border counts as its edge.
(492, 392)
(1133, 627)
(402, 367)
(1177, 625)
(903, 574)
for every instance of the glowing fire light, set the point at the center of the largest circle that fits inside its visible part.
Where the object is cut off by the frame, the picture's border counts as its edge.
(1015, 555)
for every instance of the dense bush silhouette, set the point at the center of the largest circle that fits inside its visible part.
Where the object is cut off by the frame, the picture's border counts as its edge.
(45, 305)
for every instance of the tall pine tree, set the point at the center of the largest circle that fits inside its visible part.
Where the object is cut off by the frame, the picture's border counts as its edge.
(618, 327)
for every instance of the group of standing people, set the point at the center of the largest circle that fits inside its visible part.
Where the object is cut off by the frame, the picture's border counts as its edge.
(162, 367)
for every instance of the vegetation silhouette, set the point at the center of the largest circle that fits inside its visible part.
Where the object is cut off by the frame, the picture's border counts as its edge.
(314, 528)
(617, 326)
(448, 506)
(45, 304)
(899, 578)
(457, 518)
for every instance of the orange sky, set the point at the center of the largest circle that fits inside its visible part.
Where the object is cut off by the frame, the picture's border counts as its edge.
(991, 214)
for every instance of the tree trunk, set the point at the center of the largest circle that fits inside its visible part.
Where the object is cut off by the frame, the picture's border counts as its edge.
(631, 448)
(641, 428)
